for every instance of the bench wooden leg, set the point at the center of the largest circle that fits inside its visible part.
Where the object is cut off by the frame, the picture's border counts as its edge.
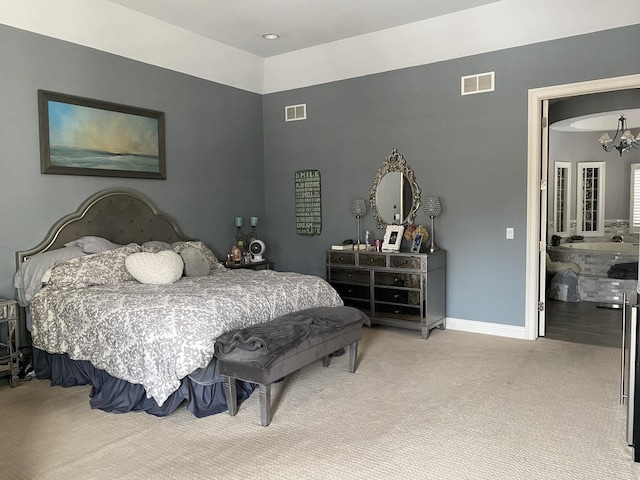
(265, 405)
(353, 353)
(230, 394)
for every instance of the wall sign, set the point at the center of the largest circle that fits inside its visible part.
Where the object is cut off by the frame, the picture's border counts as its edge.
(308, 209)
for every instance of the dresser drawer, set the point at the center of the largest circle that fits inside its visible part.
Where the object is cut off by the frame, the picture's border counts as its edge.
(7, 311)
(406, 261)
(397, 279)
(350, 276)
(372, 260)
(342, 258)
(393, 295)
(352, 291)
(398, 311)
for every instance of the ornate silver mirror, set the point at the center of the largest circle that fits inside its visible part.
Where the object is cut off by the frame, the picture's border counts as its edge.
(395, 195)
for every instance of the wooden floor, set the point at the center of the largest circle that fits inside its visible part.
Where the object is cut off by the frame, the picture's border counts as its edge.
(583, 322)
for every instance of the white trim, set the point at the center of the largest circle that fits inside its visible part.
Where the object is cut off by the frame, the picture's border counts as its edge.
(497, 329)
(634, 198)
(536, 96)
(581, 198)
(566, 198)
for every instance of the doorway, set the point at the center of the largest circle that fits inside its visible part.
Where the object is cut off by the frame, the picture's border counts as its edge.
(535, 318)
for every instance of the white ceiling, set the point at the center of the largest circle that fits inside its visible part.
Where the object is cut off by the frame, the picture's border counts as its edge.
(598, 122)
(300, 23)
(321, 40)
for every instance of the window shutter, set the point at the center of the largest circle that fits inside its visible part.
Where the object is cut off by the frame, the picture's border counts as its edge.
(635, 198)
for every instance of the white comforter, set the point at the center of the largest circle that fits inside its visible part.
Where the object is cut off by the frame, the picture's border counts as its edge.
(155, 335)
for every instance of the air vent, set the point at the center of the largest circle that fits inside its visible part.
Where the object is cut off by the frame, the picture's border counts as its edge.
(479, 83)
(295, 112)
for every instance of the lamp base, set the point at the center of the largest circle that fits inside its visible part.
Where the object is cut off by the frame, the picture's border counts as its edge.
(433, 247)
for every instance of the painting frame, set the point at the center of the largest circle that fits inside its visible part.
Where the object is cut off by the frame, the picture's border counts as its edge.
(392, 238)
(98, 138)
(417, 243)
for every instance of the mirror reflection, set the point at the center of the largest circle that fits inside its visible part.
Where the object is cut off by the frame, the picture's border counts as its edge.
(394, 198)
(395, 195)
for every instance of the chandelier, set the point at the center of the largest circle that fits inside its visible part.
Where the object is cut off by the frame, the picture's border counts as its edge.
(627, 140)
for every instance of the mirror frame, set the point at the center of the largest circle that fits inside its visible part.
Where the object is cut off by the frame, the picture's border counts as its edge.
(395, 162)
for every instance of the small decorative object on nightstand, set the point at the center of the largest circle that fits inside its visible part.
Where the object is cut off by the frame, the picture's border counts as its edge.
(240, 238)
(262, 265)
(9, 356)
(257, 249)
(252, 235)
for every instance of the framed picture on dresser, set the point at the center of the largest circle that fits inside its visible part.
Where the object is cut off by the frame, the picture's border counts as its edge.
(417, 242)
(392, 238)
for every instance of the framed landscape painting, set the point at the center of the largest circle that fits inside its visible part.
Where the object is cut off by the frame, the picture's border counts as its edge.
(80, 136)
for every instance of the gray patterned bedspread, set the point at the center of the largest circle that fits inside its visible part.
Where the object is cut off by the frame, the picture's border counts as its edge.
(155, 335)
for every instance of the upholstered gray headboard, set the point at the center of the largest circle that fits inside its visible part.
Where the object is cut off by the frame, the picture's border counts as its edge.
(120, 215)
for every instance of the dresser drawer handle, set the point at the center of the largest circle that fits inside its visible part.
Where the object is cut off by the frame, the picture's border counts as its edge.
(396, 280)
(396, 296)
(350, 290)
(349, 275)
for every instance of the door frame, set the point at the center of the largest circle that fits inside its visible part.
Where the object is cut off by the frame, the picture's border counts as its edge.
(534, 181)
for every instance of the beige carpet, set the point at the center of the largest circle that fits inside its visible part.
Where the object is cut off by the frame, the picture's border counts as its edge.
(456, 406)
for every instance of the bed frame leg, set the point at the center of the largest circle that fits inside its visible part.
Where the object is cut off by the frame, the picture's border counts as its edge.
(265, 405)
(353, 353)
(230, 393)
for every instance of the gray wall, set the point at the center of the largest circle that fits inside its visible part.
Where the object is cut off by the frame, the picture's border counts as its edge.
(471, 151)
(213, 139)
(577, 147)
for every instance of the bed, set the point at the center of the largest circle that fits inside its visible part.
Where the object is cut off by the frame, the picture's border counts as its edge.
(141, 344)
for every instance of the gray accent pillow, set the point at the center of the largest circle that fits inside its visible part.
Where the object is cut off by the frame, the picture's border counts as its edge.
(91, 244)
(155, 246)
(196, 263)
(214, 264)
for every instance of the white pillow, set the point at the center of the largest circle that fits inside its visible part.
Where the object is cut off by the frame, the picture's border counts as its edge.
(160, 268)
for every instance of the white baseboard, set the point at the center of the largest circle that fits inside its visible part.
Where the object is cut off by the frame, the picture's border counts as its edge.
(496, 329)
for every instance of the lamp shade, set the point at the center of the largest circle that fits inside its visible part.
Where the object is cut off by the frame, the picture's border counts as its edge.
(432, 206)
(358, 207)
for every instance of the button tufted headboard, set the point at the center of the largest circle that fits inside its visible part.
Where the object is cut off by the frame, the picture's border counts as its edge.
(120, 215)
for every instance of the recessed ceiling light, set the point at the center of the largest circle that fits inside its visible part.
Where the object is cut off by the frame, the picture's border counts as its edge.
(270, 36)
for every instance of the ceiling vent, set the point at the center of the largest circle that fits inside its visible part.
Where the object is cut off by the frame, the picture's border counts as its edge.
(295, 112)
(479, 83)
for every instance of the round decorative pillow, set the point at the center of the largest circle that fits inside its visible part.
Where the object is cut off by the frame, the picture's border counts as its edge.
(195, 263)
(160, 268)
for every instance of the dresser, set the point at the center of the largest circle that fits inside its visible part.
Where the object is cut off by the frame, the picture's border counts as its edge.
(9, 355)
(404, 290)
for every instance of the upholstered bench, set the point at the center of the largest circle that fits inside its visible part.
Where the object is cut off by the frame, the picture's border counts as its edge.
(269, 351)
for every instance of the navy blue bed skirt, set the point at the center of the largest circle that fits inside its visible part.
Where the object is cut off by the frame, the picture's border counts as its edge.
(119, 396)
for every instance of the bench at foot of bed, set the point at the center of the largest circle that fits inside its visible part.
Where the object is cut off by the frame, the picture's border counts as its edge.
(267, 352)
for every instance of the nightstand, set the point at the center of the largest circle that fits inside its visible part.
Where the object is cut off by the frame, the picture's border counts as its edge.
(9, 356)
(262, 265)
